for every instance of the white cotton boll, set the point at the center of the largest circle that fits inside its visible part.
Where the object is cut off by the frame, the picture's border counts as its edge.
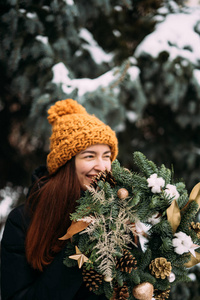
(156, 183)
(160, 181)
(180, 235)
(181, 249)
(187, 242)
(154, 219)
(182, 243)
(156, 189)
(171, 191)
(152, 179)
(176, 242)
(141, 228)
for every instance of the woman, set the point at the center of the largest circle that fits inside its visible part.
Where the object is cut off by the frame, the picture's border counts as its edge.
(81, 146)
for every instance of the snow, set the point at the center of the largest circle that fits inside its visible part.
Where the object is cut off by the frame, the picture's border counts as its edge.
(133, 73)
(5, 206)
(163, 11)
(31, 15)
(78, 53)
(61, 76)
(96, 52)
(193, 2)
(173, 6)
(196, 74)
(22, 10)
(118, 8)
(69, 2)
(89, 85)
(116, 33)
(196, 150)
(175, 35)
(9, 197)
(43, 39)
(120, 127)
(45, 7)
(131, 116)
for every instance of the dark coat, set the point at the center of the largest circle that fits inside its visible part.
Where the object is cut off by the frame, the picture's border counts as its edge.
(19, 281)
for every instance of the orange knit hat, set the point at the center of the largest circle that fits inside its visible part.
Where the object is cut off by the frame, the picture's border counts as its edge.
(73, 130)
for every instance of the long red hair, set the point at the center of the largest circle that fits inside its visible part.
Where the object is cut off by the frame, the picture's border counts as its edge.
(50, 208)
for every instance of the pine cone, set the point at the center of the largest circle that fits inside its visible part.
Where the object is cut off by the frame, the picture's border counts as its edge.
(105, 176)
(127, 262)
(160, 267)
(92, 279)
(121, 292)
(161, 295)
(196, 228)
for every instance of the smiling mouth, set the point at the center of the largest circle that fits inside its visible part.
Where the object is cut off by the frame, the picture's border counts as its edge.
(90, 176)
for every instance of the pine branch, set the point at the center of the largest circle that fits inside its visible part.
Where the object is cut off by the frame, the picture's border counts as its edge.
(188, 216)
(146, 166)
(162, 285)
(145, 259)
(165, 173)
(108, 242)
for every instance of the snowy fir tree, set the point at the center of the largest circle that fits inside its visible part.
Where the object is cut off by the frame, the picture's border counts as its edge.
(52, 50)
(133, 63)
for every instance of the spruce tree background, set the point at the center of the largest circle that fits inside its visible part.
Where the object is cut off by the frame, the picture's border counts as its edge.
(37, 35)
(152, 104)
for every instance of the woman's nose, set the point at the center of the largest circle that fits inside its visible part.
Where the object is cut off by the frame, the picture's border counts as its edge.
(100, 165)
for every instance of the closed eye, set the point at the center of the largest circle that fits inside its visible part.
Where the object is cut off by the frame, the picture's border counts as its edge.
(107, 156)
(89, 156)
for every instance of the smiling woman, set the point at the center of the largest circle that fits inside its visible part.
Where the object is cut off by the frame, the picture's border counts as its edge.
(81, 146)
(91, 161)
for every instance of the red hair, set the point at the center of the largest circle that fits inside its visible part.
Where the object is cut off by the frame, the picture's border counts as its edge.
(51, 207)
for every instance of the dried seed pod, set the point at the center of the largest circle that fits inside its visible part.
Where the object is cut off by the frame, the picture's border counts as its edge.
(127, 262)
(105, 176)
(92, 279)
(120, 292)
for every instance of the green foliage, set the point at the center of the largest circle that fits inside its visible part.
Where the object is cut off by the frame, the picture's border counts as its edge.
(144, 258)
(122, 175)
(145, 166)
(146, 277)
(182, 200)
(110, 230)
(189, 213)
(166, 174)
(70, 250)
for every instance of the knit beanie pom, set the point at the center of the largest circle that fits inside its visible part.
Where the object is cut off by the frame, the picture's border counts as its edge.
(64, 107)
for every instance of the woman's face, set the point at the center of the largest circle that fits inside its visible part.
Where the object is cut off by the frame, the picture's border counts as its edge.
(90, 162)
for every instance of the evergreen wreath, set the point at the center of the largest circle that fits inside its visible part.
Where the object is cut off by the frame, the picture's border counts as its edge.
(118, 211)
